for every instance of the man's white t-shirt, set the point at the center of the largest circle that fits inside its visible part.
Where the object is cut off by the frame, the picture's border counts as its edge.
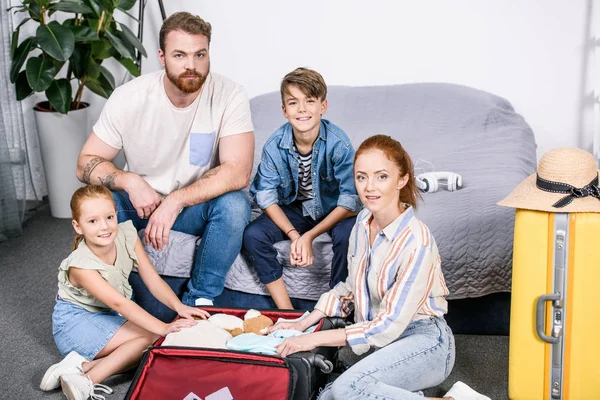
(172, 147)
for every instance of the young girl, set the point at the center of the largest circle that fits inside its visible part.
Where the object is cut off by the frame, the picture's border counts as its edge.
(395, 287)
(94, 322)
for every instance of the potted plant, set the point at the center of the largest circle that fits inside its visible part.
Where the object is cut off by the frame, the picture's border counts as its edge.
(62, 59)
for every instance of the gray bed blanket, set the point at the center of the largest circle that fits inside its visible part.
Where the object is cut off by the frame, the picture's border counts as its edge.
(455, 128)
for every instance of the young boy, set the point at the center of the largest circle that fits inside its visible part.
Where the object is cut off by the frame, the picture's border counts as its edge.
(305, 186)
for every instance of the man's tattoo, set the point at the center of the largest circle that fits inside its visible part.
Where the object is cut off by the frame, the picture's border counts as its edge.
(89, 167)
(109, 180)
(211, 172)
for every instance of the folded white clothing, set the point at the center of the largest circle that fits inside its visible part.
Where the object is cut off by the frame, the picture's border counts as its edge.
(226, 321)
(300, 318)
(203, 334)
(286, 333)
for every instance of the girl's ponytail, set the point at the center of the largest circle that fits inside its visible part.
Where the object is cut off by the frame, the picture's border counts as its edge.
(78, 238)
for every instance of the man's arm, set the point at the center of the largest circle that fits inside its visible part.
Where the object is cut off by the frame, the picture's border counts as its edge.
(236, 155)
(94, 166)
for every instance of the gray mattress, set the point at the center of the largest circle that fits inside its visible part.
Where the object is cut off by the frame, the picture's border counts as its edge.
(456, 128)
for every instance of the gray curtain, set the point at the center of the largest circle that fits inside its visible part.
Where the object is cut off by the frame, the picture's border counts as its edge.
(18, 142)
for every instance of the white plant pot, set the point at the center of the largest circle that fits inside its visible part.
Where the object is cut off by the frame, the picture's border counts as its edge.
(61, 139)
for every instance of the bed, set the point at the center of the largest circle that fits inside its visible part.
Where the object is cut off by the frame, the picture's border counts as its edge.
(444, 127)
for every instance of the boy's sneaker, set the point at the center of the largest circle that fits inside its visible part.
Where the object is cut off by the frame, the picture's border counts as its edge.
(201, 301)
(71, 364)
(80, 387)
(461, 391)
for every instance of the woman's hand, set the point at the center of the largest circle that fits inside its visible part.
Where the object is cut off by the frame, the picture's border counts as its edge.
(297, 325)
(190, 312)
(296, 344)
(178, 325)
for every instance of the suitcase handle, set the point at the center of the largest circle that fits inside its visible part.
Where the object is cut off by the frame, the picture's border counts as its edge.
(540, 325)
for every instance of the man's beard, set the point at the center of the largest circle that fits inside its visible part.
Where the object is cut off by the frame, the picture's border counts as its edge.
(187, 85)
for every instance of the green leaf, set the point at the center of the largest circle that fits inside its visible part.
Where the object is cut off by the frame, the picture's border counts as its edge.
(84, 33)
(56, 40)
(132, 39)
(59, 95)
(80, 60)
(42, 3)
(123, 39)
(101, 89)
(40, 73)
(107, 77)
(72, 6)
(119, 45)
(13, 43)
(125, 4)
(35, 12)
(57, 65)
(15, 37)
(101, 49)
(20, 56)
(21, 8)
(68, 23)
(22, 86)
(92, 5)
(94, 70)
(106, 5)
(130, 65)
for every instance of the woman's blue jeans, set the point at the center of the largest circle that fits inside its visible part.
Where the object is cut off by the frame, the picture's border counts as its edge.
(421, 358)
(220, 223)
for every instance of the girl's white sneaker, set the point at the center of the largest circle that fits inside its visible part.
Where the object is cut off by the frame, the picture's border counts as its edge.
(80, 387)
(71, 364)
(461, 391)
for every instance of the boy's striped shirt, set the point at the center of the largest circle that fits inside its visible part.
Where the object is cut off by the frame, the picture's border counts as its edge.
(305, 186)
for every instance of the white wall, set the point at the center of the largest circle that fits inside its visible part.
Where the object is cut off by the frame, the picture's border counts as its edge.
(531, 52)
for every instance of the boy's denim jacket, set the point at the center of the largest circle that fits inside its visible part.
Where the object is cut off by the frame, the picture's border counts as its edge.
(276, 180)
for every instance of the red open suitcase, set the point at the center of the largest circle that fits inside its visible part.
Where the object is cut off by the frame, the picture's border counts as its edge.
(190, 373)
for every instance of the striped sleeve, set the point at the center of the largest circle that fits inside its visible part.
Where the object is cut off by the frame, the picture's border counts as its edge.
(338, 302)
(405, 297)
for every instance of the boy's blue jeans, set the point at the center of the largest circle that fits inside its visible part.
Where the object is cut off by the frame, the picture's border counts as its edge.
(262, 234)
(220, 223)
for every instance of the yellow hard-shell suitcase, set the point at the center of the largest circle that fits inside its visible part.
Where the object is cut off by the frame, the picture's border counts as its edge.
(554, 344)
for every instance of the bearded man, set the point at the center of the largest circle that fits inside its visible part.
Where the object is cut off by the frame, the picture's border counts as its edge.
(188, 140)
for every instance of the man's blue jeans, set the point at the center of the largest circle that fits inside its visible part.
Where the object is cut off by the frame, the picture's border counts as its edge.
(220, 223)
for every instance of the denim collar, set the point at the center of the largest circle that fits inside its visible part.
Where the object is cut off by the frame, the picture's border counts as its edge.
(287, 139)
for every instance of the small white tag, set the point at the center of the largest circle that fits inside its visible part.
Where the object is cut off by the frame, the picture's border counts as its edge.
(221, 394)
(192, 396)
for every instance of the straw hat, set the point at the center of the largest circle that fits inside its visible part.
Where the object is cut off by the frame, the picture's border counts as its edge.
(566, 181)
